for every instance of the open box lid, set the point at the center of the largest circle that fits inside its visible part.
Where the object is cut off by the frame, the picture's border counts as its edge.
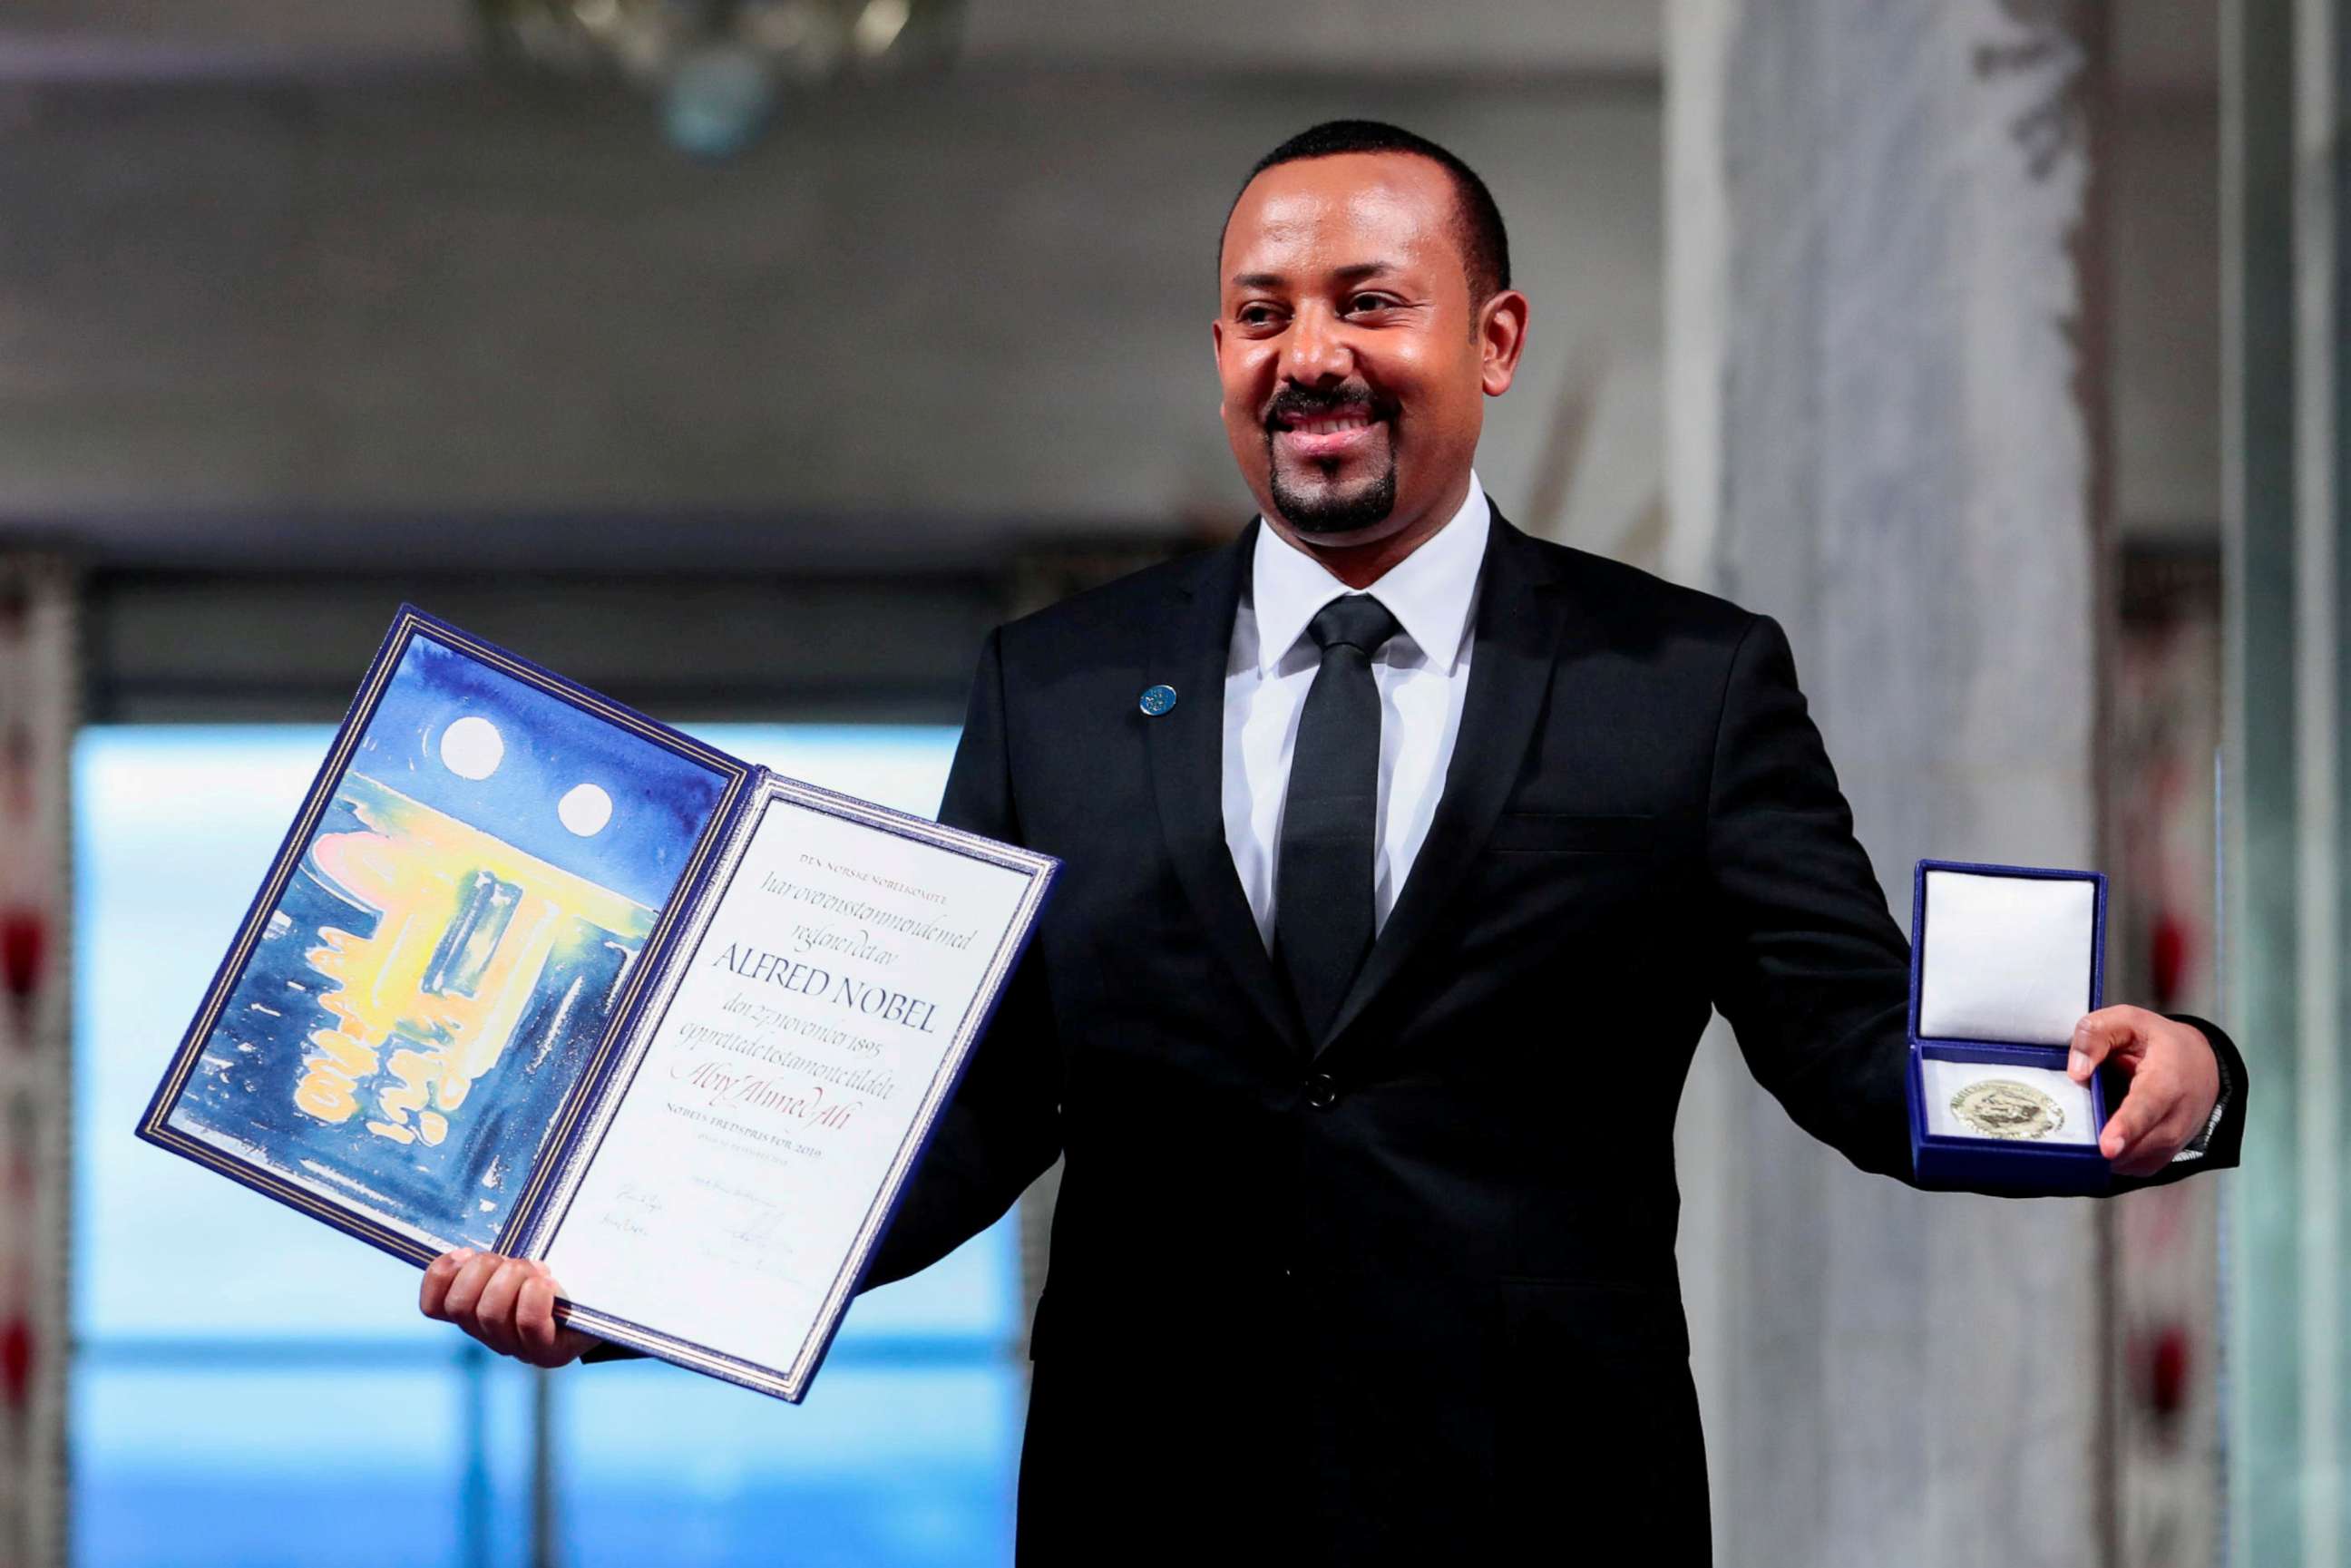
(2004, 955)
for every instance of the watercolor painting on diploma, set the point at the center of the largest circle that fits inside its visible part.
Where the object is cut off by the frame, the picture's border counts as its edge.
(449, 949)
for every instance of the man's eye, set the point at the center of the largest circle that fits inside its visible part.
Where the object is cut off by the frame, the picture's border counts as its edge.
(1363, 302)
(1254, 314)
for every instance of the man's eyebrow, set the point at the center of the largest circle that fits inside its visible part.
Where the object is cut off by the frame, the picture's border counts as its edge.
(1354, 273)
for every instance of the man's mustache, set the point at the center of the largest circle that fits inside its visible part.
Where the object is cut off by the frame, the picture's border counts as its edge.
(1308, 403)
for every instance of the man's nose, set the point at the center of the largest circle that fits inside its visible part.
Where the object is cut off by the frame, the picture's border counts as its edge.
(1316, 350)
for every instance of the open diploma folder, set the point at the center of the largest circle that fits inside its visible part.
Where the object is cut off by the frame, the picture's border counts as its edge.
(534, 973)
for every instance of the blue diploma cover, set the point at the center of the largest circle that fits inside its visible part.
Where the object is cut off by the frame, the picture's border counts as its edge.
(534, 973)
(2004, 960)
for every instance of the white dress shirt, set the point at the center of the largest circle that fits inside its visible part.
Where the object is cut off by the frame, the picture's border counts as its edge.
(1421, 674)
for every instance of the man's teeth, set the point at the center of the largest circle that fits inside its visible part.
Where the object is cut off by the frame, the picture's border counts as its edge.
(1331, 426)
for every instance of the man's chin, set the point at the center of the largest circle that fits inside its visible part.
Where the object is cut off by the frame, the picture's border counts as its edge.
(1326, 511)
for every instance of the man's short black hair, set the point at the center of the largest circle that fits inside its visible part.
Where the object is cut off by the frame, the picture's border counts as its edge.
(1485, 245)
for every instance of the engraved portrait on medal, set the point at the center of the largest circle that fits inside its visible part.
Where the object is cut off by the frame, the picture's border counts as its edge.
(2003, 1108)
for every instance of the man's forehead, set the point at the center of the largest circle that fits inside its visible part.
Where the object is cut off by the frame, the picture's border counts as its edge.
(1323, 211)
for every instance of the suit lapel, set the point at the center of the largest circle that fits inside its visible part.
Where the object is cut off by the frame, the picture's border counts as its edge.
(1187, 746)
(1520, 618)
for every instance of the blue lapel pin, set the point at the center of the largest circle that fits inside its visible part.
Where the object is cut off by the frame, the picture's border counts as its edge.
(1157, 700)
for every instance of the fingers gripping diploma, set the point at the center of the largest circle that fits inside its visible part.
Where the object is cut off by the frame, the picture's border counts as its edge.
(2174, 1081)
(507, 1304)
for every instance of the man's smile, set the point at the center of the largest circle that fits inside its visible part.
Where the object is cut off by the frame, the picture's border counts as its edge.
(1326, 433)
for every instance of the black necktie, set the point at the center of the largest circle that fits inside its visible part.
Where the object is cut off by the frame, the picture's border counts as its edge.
(1323, 877)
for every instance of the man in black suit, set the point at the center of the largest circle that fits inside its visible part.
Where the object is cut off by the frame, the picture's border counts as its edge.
(1405, 857)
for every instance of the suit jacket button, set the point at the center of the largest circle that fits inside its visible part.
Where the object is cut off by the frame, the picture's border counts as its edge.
(1321, 1092)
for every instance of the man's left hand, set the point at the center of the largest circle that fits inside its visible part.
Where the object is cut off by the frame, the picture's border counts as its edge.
(2174, 1081)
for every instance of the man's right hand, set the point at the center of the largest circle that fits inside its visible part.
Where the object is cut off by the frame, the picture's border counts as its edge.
(507, 1304)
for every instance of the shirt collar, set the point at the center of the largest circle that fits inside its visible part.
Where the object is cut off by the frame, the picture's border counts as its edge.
(1429, 591)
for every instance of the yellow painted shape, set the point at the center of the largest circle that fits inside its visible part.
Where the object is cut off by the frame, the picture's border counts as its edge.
(416, 867)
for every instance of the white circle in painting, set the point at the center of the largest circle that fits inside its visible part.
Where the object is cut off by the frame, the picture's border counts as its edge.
(585, 810)
(472, 747)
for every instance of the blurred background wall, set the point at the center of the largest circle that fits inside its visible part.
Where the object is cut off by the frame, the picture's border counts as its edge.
(427, 290)
(1925, 413)
(759, 404)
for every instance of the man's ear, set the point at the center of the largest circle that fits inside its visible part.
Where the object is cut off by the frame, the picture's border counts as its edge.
(1501, 337)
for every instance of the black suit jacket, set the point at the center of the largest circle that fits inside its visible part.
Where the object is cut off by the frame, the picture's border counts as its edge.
(1408, 1291)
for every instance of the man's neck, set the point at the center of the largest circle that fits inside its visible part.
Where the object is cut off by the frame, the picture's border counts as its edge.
(1360, 564)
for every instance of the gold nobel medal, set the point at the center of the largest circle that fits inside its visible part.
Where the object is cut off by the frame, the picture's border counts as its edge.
(2003, 1108)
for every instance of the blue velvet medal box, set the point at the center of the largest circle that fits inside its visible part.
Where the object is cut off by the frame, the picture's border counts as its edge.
(2004, 960)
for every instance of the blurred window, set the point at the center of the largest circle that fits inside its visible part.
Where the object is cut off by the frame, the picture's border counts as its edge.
(251, 1388)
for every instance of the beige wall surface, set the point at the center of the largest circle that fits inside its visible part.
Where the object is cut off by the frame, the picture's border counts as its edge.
(980, 300)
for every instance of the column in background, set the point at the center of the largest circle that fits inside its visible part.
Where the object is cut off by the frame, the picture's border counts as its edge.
(1887, 430)
(2283, 172)
(39, 704)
